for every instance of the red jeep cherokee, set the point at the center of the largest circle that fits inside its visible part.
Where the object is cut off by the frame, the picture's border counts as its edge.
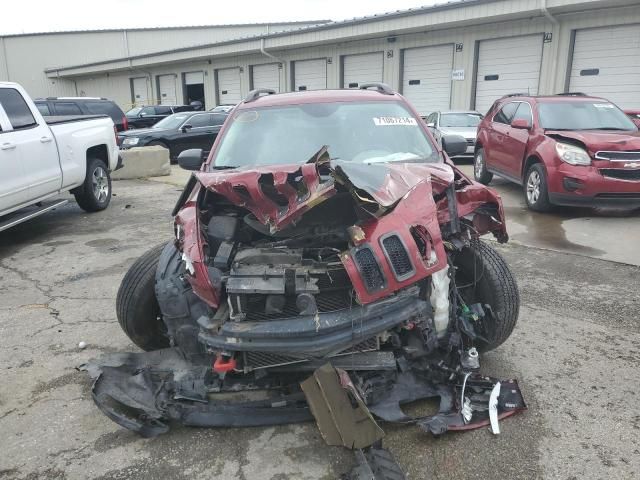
(565, 149)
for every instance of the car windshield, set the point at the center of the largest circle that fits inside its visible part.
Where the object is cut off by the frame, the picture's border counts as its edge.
(460, 119)
(133, 112)
(369, 132)
(583, 116)
(172, 121)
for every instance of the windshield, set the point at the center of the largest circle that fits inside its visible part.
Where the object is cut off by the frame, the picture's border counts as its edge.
(172, 121)
(583, 116)
(460, 119)
(133, 112)
(359, 132)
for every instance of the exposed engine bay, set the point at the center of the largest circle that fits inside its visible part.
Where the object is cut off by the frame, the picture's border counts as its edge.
(276, 271)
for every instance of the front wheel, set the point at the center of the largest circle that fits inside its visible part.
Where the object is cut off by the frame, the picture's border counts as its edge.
(483, 276)
(136, 304)
(480, 172)
(95, 193)
(536, 192)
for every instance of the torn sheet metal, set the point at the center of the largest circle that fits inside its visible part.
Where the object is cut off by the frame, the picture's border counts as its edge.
(340, 412)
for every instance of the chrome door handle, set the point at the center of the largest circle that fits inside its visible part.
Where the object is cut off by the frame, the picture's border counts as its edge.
(45, 139)
(7, 146)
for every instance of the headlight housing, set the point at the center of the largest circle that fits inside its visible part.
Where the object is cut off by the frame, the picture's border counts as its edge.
(130, 141)
(572, 155)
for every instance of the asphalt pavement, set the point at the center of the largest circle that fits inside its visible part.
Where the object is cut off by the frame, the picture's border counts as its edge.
(575, 352)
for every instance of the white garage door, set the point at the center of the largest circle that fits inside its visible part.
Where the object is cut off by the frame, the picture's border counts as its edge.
(266, 76)
(229, 86)
(310, 74)
(167, 87)
(140, 91)
(426, 77)
(194, 78)
(606, 63)
(507, 65)
(359, 69)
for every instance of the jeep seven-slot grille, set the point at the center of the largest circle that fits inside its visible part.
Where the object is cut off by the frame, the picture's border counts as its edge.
(398, 256)
(369, 269)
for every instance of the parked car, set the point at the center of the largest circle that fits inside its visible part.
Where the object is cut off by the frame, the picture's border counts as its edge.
(634, 115)
(39, 159)
(326, 226)
(60, 106)
(455, 122)
(143, 117)
(225, 108)
(564, 149)
(177, 132)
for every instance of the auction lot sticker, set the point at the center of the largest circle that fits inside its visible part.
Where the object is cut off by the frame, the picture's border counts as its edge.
(394, 121)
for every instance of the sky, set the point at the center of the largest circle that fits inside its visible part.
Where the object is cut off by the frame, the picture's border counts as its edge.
(28, 16)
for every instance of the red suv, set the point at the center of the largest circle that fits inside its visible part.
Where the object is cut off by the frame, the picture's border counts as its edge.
(568, 149)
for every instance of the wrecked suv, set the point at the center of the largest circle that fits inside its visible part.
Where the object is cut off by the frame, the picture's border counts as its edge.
(324, 227)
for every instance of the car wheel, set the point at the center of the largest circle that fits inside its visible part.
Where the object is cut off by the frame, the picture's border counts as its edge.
(480, 172)
(137, 308)
(95, 193)
(483, 276)
(535, 189)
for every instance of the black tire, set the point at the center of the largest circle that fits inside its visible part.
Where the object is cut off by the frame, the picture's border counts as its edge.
(494, 285)
(480, 172)
(95, 193)
(537, 197)
(136, 304)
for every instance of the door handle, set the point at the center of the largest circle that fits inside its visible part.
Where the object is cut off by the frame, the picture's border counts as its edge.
(45, 139)
(7, 146)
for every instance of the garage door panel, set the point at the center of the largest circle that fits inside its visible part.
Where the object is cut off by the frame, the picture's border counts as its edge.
(310, 74)
(364, 68)
(507, 65)
(167, 88)
(606, 63)
(229, 86)
(426, 77)
(266, 76)
(193, 78)
(140, 92)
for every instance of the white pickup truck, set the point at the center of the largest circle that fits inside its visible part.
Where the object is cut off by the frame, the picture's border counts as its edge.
(40, 158)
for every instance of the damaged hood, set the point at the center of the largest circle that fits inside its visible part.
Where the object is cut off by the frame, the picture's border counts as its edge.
(279, 194)
(596, 140)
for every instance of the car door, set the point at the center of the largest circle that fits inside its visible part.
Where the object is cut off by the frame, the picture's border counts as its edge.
(31, 144)
(516, 141)
(496, 150)
(198, 131)
(147, 118)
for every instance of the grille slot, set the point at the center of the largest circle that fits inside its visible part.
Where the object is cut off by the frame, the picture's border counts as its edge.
(369, 269)
(628, 156)
(398, 257)
(620, 174)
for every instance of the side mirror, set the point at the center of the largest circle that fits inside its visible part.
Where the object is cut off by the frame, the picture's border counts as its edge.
(186, 128)
(521, 124)
(143, 114)
(454, 145)
(431, 125)
(190, 159)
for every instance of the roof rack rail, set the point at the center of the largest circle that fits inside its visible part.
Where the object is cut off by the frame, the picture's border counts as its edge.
(254, 94)
(519, 94)
(380, 87)
(572, 94)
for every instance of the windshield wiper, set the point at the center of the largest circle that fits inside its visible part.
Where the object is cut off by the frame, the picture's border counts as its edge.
(612, 128)
(222, 167)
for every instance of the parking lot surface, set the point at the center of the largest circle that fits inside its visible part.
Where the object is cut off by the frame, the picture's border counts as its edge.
(575, 352)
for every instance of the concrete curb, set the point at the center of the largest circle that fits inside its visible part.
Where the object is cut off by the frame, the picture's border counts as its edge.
(143, 162)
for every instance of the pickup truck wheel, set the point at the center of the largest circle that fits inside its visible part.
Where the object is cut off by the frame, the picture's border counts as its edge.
(137, 308)
(535, 189)
(480, 172)
(95, 193)
(483, 276)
